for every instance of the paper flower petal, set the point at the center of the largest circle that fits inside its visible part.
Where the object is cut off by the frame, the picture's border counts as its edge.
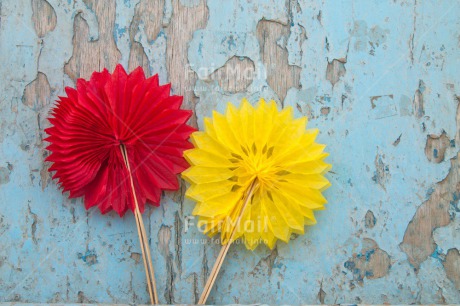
(264, 145)
(90, 124)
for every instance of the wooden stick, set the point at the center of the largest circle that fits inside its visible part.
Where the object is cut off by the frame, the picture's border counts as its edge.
(224, 250)
(149, 272)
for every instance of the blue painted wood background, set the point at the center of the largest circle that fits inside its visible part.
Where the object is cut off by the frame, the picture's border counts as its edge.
(379, 78)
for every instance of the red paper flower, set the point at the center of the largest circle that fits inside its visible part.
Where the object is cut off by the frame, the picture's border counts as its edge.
(109, 110)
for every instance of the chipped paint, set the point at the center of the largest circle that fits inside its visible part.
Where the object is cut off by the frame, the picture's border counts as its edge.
(371, 263)
(378, 78)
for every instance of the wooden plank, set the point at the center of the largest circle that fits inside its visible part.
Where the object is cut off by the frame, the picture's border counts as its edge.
(379, 79)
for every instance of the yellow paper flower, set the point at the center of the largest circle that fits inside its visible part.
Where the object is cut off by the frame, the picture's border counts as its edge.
(267, 150)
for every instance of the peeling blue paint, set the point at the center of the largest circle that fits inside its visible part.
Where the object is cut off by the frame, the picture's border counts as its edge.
(436, 254)
(367, 254)
(89, 257)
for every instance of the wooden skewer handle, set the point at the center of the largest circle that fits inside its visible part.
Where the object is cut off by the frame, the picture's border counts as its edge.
(223, 251)
(147, 259)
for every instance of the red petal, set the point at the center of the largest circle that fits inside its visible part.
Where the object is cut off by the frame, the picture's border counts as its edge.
(90, 123)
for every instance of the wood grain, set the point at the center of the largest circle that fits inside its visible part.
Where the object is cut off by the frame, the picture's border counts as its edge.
(272, 39)
(89, 56)
(44, 17)
(184, 22)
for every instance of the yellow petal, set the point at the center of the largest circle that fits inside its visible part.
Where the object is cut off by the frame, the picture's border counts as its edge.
(266, 147)
(207, 191)
(201, 175)
(206, 159)
(221, 205)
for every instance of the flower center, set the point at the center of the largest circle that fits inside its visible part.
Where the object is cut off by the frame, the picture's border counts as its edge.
(260, 170)
(256, 164)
